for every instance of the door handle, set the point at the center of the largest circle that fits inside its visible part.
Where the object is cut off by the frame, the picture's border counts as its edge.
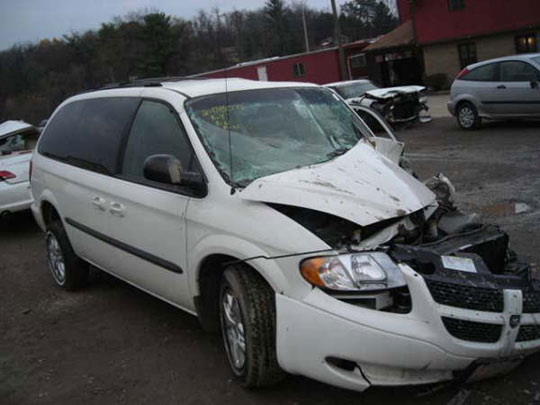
(99, 203)
(117, 209)
(501, 86)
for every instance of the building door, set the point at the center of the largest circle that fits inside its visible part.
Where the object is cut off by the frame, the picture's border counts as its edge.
(262, 74)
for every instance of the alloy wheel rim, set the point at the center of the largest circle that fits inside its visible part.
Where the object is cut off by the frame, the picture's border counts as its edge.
(466, 117)
(55, 259)
(233, 331)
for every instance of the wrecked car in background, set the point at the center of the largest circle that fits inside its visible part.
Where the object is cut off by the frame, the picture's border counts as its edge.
(398, 105)
(17, 139)
(273, 213)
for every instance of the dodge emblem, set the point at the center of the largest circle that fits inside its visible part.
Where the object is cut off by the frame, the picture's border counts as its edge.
(515, 320)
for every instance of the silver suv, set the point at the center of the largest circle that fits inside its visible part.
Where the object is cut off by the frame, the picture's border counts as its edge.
(500, 88)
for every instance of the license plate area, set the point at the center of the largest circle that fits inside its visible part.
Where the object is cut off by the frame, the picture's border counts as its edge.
(491, 368)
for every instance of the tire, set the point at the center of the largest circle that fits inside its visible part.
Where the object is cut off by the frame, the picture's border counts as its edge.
(244, 295)
(67, 269)
(467, 116)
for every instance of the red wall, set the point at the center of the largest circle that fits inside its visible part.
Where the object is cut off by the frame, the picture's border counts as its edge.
(435, 22)
(321, 67)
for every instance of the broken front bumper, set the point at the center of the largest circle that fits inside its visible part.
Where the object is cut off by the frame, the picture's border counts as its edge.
(321, 337)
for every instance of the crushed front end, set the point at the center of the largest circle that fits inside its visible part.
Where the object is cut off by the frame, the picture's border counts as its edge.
(398, 107)
(465, 308)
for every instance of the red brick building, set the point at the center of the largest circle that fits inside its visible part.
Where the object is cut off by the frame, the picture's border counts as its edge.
(447, 35)
(320, 66)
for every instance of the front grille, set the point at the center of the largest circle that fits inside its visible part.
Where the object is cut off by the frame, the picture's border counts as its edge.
(528, 333)
(473, 331)
(404, 110)
(531, 302)
(460, 296)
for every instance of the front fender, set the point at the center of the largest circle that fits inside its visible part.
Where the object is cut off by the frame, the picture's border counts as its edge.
(236, 247)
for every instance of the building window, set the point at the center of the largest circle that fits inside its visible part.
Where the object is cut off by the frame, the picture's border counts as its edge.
(467, 54)
(358, 61)
(454, 5)
(526, 43)
(299, 70)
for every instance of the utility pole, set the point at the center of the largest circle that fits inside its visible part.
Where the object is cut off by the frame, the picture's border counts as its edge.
(337, 40)
(306, 40)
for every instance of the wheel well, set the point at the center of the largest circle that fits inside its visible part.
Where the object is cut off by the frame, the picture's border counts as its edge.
(49, 213)
(464, 102)
(209, 281)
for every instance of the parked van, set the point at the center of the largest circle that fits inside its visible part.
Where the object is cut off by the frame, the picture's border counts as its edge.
(274, 214)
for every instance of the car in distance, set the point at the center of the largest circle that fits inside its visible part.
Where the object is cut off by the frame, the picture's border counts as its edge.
(398, 105)
(502, 88)
(17, 140)
(273, 213)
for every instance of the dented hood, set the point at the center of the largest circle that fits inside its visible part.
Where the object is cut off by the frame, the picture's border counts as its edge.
(392, 91)
(362, 186)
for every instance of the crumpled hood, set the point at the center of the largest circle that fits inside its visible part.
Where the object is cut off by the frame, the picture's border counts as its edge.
(392, 91)
(361, 186)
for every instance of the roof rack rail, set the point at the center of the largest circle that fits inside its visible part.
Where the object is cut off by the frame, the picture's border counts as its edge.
(148, 82)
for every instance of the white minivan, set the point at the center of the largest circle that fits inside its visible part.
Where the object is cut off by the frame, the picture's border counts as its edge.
(274, 214)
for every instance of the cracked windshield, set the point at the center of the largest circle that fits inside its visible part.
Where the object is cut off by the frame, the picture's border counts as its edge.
(273, 130)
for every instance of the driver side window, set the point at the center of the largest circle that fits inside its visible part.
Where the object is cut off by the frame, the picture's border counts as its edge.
(155, 130)
(516, 71)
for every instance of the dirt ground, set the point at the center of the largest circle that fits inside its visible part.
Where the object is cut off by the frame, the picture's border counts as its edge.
(111, 343)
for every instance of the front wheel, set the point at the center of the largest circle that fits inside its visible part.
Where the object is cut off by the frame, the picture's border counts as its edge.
(467, 116)
(248, 324)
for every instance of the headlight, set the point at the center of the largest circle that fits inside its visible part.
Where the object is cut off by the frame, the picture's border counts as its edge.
(353, 272)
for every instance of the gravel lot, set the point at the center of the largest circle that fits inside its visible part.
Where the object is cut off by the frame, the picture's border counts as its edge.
(113, 344)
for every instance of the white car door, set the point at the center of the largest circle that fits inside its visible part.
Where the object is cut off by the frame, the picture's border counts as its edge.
(384, 138)
(147, 218)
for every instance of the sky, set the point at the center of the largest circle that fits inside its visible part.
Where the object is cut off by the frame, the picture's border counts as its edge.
(32, 20)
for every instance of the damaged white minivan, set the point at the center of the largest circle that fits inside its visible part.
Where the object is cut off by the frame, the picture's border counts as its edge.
(273, 213)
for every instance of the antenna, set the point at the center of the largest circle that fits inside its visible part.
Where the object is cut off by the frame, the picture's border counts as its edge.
(229, 130)
(228, 123)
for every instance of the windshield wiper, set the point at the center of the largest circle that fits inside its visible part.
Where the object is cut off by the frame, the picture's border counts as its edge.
(338, 152)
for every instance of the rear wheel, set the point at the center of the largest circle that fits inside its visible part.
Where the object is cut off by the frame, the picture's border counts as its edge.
(248, 324)
(467, 116)
(67, 269)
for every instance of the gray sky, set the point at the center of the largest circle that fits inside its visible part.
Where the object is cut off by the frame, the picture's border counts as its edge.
(32, 20)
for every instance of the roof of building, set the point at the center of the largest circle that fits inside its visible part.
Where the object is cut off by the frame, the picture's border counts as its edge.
(401, 36)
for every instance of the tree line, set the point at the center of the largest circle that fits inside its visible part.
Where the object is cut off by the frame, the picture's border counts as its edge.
(36, 77)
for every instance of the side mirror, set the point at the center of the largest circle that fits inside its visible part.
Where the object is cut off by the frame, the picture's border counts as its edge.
(534, 84)
(167, 169)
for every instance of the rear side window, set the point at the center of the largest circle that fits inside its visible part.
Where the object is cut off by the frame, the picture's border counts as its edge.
(515, 71)
(155, 130)
(88, 133)
(485, 73)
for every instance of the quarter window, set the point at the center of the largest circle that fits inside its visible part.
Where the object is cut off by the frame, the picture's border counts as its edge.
(155, 130)
(516, 71)
(485, 73)
(88, 133)
(467, 54)
(299, 70)
(526, 43)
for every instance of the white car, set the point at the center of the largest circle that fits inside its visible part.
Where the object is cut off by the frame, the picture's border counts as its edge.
(271, 212)
(17, 140)
(398, 105)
